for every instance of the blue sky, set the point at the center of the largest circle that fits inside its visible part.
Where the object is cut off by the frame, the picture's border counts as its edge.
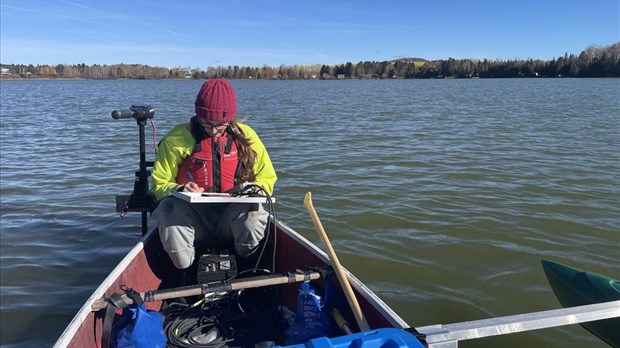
(200, 34)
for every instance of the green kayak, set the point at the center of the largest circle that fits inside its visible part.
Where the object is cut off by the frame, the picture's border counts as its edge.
(576, 287)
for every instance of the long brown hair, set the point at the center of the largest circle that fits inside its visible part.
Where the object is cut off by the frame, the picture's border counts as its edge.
(247, 155)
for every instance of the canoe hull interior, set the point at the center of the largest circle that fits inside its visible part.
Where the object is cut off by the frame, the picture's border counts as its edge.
(147, 264)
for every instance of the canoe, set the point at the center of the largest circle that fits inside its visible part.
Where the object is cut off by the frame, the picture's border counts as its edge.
(576, 287)
(142, 270)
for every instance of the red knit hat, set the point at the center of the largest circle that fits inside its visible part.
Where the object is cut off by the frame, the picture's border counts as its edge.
(216, 101)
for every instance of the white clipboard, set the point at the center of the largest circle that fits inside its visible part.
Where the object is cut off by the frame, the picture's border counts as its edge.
(209, 197)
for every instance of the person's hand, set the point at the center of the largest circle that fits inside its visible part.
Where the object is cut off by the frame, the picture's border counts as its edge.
(250, 187)
(192, 187)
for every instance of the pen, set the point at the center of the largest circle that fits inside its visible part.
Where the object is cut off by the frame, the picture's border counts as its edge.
(189, 176)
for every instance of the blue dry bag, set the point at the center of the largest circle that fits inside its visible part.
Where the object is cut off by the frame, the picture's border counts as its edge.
(311, 317)
(138, 327)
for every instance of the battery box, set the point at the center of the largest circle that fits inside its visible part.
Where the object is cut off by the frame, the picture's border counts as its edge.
(215, 265)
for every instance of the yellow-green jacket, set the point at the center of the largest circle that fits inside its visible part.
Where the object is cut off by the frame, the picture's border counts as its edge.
(179, 144)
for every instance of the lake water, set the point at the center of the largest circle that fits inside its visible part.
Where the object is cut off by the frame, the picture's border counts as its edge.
(443, 196)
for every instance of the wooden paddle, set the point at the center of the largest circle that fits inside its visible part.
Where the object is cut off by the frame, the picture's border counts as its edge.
(342, 277)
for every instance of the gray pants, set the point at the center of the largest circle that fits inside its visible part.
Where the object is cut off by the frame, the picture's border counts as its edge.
(183, 226)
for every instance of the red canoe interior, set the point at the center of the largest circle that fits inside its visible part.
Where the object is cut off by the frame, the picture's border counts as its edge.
(145, 271)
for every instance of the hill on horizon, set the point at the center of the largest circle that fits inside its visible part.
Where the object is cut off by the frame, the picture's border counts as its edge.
(408, 60)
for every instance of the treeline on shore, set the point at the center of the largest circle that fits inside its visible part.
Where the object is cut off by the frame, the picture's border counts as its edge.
(594, 61)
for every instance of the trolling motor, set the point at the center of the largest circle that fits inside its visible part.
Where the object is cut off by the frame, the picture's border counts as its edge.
(140, 200)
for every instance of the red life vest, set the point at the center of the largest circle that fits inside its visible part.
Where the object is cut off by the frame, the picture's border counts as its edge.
(213, 165)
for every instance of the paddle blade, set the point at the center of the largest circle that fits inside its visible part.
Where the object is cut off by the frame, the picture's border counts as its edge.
(308, 200)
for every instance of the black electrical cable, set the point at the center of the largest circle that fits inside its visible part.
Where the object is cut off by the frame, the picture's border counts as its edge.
(189, 324)
(254, 190)
(221, 322)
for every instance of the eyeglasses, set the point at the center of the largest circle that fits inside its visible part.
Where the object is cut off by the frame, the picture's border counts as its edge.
(218, 126)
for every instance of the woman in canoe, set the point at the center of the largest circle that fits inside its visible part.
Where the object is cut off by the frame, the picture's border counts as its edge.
(211, 153)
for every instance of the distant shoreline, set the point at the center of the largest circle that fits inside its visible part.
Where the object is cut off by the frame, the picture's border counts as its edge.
(592, 62)
(316, 79)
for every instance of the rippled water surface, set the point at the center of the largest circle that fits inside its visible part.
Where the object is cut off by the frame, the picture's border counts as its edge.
(441, 195)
